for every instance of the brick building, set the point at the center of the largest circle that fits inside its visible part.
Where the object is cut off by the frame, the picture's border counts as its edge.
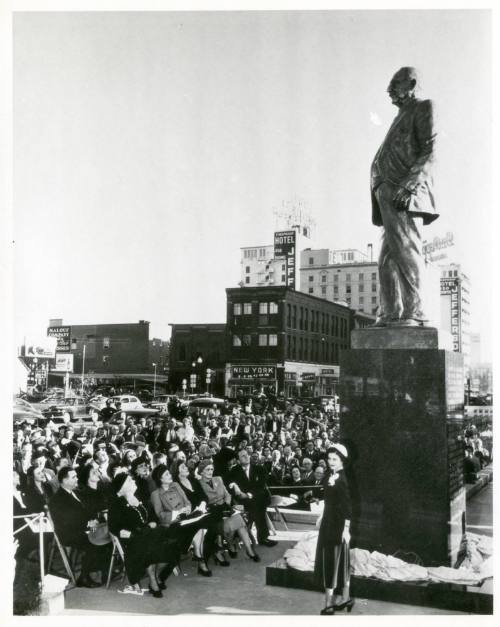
(284, 341)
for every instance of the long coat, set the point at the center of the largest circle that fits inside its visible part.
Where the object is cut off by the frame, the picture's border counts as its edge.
(337, 511)
(405, 160)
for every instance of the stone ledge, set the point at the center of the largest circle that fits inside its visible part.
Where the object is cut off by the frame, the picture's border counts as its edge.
(394, 337)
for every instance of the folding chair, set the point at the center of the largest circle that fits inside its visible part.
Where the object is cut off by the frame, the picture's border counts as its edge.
(73, 554)
(117, 551)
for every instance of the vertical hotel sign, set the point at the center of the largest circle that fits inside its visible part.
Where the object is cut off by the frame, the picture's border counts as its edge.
(452, 287)
(284, 248)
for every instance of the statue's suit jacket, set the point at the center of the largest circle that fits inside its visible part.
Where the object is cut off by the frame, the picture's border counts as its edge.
(405, 159)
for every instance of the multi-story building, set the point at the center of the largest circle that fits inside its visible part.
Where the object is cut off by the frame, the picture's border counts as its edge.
(159, 355)
(194, 349)
(284, 341)
(341, 276)
(455, 309)
(275, 264)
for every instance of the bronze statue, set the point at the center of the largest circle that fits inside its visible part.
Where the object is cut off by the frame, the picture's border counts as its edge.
(402, 200)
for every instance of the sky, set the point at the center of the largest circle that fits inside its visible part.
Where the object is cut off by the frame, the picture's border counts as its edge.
(150, 147)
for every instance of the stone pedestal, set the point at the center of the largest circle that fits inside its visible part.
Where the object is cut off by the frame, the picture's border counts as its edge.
(402, 415)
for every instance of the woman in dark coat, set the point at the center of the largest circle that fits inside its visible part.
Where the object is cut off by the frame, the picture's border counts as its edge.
(332, 565)
(146, 546)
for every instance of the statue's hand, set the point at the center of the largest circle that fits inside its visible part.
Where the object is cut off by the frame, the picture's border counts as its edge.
(402, 199)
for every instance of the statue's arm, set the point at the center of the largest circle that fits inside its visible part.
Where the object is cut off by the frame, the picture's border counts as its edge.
(425, 133)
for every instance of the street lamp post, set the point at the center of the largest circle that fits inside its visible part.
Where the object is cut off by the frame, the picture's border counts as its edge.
(83, 369)
(154, 381)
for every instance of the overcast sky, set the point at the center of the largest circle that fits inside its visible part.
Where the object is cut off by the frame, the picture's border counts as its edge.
(149, 147)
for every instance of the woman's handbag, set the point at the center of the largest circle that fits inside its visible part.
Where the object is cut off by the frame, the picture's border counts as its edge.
(99, 535)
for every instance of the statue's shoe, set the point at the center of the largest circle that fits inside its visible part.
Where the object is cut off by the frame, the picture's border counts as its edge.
(408, 322)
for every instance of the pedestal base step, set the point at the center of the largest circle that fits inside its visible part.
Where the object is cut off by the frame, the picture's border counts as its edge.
(471, 599)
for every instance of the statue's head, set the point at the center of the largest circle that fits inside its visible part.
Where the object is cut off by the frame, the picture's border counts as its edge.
(402, 86)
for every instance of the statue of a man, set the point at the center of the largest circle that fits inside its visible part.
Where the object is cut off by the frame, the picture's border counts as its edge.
(402, 200)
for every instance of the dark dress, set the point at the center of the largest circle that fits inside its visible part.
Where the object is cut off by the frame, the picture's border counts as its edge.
(95, 500)
(331, 567)
(145, 546)
(35, 500)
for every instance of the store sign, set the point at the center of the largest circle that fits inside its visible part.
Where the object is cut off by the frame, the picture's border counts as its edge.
(284, 248)
(63, 335)
(308, 376)
(42, 347)
(290, 376)
(253, 372)
(331, 372)
(64, 362)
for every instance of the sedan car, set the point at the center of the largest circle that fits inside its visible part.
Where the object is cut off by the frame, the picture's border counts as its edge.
(25, 412)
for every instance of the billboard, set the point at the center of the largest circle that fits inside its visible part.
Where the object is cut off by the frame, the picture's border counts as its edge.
(284, 248)
(44, 347)
(64, 362)
(63, 335)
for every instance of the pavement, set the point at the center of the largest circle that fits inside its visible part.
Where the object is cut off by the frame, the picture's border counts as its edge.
(241, 588)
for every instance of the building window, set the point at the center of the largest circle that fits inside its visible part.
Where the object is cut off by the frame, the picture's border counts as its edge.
(283, 278)
(262, 340)
(236, 340)
(182, 352)
(335, 289)
(263, 308)
(106, 343)
(294, 317)
(323, 278)
(301, 318)
(361, 300)
(347, 289)
(374, 287)
(273, 339)
(361, 287)
(306, 320)
(237, 309)
(294, 347)
(374, 276)
(246, 340)
(361, 276)
(266, 277)
(262, 252)
(323, 289)
(247, 279)
(374, 300)
(311, 261)
(336, 278)
(311, 290)
(247, 269)
(311, 278)
(247, 308)
(283, 267)
(273, 308)
(301, 348)
(288, 315)
(348, 277)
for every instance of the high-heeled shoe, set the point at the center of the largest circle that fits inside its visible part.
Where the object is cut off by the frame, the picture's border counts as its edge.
(204, 573)
(347, 605)
(219, 561)
(164, 574)
(233, 554)
(253, 557)
(329, 610)
(156, 593)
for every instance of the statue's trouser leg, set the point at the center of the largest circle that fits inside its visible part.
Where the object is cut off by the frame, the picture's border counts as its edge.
(401, 261)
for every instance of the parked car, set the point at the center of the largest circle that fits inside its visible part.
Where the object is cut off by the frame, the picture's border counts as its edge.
(25, 412)
(127, 401)
(75, 407)
(161, 402)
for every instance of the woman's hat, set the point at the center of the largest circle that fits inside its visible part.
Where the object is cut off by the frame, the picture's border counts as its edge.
(203, 464)
(341, 449)
(118, 481)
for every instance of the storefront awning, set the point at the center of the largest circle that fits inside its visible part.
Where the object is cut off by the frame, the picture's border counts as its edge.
(140, 376)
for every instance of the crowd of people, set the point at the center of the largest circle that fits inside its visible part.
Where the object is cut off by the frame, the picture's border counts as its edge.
(478, 451)
(165, 485)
